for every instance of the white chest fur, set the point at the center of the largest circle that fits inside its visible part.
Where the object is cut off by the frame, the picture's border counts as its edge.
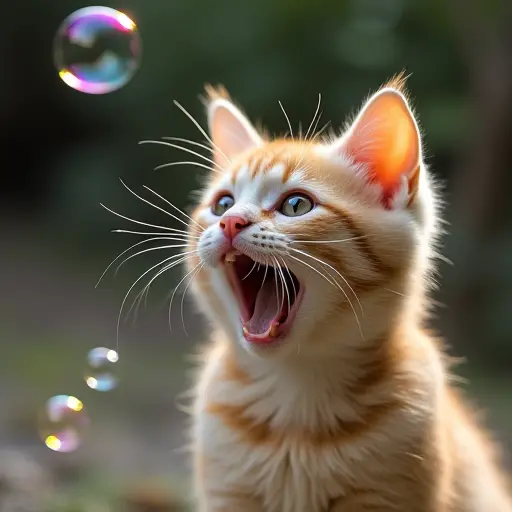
(289, 473)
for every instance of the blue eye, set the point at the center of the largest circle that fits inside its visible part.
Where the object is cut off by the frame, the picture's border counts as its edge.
(296, 205)
(222, 205)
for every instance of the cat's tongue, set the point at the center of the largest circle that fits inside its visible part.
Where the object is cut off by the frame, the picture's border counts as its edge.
(267, 310)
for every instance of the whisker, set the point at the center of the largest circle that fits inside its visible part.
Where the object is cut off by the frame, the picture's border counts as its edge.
(176, 208)
(314, 117)
(184, 293)
(174, 293)
(153, 205)
(197, 164)
(313, 135)
(250, 271)
(327, 241)
(159, 248)
(284, 286)
(181, 148)
(163, 262)
(394, 291)
(291, 278)
(277, 286)
(125, 251)
(178, 232)
(191, 142)
(145, 291)
(264, 277)
(202, 131)
(335, 283)
(165, 228)
(317, 134)
(287, 119)
(332, 268)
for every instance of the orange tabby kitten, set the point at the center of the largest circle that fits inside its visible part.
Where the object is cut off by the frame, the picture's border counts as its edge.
(322, 391)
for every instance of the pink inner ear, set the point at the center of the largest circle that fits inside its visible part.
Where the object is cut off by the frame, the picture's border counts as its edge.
(385, 138)
(231, 131)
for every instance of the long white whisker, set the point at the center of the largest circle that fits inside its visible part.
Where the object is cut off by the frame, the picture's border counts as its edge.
(291, 278)
(314, 117)
(329, 279)
(176, 208)
(287, 119)
(197, 164)
(284, 286)
(125, 251)
(176, 289)
(179, 233)
(183, 296)
(181, 148)
(313, 136)
(319, 132)
(191, 142)
(335, 283)
(168, 267)
(143, 294)
(163, 262)
(159, 248)
(250, 271)
(153, 205)
(139, 222)
(264, 277)
(332, 268)
(327, 241)
(277, 287)
(201, 130)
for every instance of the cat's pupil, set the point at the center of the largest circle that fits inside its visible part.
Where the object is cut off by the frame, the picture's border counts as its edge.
(225, 203)
(295, 203)
(222, 205)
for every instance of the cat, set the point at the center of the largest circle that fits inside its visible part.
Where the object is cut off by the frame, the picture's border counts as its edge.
(322, 390)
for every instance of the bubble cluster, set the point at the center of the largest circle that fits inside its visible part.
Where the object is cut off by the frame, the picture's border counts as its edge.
(97, 50)
(63, 423)
(100, 374)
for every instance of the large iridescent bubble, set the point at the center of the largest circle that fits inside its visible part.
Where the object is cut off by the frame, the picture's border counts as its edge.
(97, 50)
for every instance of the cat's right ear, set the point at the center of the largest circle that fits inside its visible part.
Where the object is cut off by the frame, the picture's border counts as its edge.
(230, 130)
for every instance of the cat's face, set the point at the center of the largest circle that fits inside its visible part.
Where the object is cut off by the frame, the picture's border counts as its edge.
(297, 235)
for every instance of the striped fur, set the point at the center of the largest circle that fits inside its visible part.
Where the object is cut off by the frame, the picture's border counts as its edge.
(356, 410)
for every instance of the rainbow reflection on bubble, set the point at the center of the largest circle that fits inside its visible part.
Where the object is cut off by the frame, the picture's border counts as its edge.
(62, 423)
(97, 50)
(100, 371)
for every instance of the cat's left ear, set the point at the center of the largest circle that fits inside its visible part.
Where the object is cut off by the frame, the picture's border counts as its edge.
(231, 132)
(385, 140)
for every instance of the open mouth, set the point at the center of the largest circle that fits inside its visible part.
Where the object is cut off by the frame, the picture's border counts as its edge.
(268, 300)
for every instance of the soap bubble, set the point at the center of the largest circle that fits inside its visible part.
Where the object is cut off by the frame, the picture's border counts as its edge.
(97, 50)
(100, 373)
(63, 423)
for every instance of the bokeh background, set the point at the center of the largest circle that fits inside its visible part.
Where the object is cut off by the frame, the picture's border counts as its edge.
(63, 153)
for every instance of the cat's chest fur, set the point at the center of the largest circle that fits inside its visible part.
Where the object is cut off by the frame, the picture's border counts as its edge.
(278, 440)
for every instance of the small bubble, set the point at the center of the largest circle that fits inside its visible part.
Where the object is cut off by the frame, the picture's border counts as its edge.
(63, 423)
(100, 373)
(97, 50)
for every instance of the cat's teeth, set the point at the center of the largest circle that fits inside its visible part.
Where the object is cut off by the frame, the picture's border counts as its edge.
(231, 255)
(273, 330)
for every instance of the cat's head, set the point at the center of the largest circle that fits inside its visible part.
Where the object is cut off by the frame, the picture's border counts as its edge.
(305, 239)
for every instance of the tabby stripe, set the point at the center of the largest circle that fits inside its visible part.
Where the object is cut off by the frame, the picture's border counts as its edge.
(363, 243)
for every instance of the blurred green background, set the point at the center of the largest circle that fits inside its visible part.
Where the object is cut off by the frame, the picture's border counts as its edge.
(64, 151)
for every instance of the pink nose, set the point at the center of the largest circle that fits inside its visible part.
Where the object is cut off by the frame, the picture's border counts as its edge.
(232, 225)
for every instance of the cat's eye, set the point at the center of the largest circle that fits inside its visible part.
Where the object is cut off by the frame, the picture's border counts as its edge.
(296, 205)
(222, 204)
